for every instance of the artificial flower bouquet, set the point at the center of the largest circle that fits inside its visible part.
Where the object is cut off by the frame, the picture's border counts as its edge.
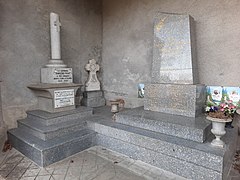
(224, 110)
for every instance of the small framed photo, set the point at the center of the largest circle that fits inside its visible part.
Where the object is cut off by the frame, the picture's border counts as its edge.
(214, 94)
(140, 90)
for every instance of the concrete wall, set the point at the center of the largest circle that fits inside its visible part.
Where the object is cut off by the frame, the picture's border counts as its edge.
(128, 39)
(25, 46)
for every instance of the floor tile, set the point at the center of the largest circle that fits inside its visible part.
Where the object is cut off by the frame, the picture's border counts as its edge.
(96, 163)
(27, 178)
(43, 177)
(31, 172)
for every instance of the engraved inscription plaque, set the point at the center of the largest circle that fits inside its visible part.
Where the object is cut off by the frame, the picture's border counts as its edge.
(62, 75)
(63, 98)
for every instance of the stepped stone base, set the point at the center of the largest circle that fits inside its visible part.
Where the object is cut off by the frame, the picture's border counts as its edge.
(45, 153)
(186, 158)
(48, 143)
(178, 99)
(49, 137)
(93, 99)
(194, 129)
(47, 118)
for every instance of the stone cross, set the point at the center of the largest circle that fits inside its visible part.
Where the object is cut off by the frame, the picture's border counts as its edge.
(92, 83)
(55, 24)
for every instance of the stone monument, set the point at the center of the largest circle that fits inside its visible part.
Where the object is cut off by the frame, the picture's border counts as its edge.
(93, 96)
(175, 88)
(56, 71)
(56, 92)
(57, 129)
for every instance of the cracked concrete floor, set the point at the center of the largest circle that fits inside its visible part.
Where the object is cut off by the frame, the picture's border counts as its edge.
(96, 163)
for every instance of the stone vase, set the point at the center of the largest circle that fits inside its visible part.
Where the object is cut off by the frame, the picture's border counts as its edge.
(218, 129)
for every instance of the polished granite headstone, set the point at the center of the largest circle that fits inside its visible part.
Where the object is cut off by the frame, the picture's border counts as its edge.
(174, 88)
(174, 59)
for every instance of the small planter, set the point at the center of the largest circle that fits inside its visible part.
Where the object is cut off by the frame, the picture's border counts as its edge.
(114, 106)
(218, 129)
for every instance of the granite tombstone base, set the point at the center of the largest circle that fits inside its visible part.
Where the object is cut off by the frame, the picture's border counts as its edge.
(93, 99)
(178, 99)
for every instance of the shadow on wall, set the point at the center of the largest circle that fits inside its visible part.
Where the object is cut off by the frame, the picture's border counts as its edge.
(3, 128)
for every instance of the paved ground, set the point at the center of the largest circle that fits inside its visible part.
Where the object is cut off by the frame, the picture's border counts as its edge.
(96, 163)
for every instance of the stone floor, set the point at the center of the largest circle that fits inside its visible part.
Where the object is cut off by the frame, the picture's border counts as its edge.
(96, 163)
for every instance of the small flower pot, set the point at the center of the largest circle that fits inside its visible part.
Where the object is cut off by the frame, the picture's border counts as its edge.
(114, 106)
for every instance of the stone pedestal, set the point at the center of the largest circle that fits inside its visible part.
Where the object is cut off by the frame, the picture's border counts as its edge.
(55, 97)
(93, 99)
(179, 99)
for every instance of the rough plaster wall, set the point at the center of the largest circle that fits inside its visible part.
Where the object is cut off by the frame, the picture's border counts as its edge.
(25, 46)
(128, 36)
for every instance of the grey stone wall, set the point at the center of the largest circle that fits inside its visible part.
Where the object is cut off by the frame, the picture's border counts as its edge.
(25, 46)
(128, 36)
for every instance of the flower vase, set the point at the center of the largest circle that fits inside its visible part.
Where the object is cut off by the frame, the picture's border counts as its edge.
(218, 129)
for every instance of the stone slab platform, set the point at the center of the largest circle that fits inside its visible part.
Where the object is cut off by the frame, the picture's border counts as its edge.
(47, 118)
(44, 132)
(194, 129)
(179, 99)
(183, 157)
(198, 153)
(47, 152)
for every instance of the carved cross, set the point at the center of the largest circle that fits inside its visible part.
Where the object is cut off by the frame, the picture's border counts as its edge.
(92, 83)
(57, 23)
(92, 66)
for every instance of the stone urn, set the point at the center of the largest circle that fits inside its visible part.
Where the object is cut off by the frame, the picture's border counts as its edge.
(218, 129)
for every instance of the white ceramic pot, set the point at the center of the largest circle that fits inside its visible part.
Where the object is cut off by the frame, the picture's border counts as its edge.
(218, 129)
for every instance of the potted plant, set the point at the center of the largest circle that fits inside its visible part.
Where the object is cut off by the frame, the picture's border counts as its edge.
(220, 115)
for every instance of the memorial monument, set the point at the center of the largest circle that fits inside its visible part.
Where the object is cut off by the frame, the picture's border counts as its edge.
(57, 129)
(93, 96)
(56, 92)
(175, 88)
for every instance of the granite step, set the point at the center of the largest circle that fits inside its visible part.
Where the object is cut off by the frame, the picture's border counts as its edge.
(194, 129)
(183, 157)
(47, 118)
(44, 132)
(47, 152)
